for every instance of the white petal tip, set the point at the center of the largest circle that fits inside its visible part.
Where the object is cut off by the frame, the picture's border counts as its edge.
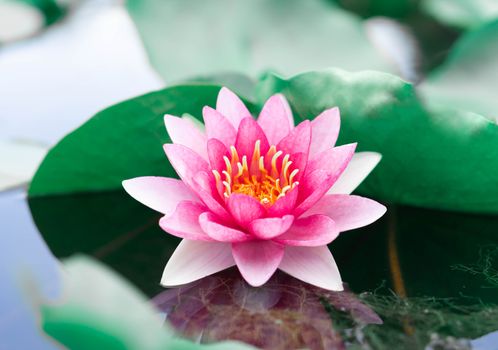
(336, 288)
(257, 283)
(169, 280)
(167, 283)
(384, 209)
(375, 156)
(127, 185)
(335, 109)
(333, 287)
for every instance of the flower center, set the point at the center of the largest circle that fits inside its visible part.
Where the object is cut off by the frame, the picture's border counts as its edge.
(265, 177)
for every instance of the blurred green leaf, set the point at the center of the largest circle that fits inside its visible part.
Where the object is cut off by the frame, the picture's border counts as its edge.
(446, 159)
(462, 13)
(100, 310)
(51, 9)
(467, 79)
(196, 37)
(389, 8)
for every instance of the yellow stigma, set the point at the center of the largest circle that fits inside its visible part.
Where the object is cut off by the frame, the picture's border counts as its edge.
(265, 177)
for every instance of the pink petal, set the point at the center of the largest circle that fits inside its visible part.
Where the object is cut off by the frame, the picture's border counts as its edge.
(219, 127)
(269, 228)
(313, 265)
(184, 222)
(357, 170)
(276, 119)
(298, 140)
(317, 184)
(257, 260)
(322, 172)
(348, 212)
(231, 107)
(310, 231)
(186, 162)
(159, 193)
(299, 161)
(250, 132)
(324, 130)
(245, 209)
(284, 205)
(334, 160)
(193, 260)
(184, 132)
(216, 151)
(203, 185)
(219, 232)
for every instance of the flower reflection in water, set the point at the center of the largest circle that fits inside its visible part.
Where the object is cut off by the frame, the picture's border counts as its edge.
(285, 313)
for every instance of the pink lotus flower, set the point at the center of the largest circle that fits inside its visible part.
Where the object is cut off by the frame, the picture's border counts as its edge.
(259, 194)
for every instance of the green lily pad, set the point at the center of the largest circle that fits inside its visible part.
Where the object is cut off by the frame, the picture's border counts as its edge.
(192, 38)
(445, 159)
(100, 310)
(467, 79)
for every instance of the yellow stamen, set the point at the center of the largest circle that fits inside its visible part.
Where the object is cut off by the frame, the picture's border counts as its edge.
(261, 178)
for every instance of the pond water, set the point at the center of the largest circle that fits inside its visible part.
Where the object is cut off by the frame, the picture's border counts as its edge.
(430, 276)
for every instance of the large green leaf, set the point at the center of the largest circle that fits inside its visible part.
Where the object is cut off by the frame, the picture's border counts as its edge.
(446, 159)
(100, 310)
(467, 79)
(462, 13)
(196, 37)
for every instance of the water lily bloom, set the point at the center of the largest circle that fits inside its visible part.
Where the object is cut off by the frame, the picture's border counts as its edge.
(260, 194)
